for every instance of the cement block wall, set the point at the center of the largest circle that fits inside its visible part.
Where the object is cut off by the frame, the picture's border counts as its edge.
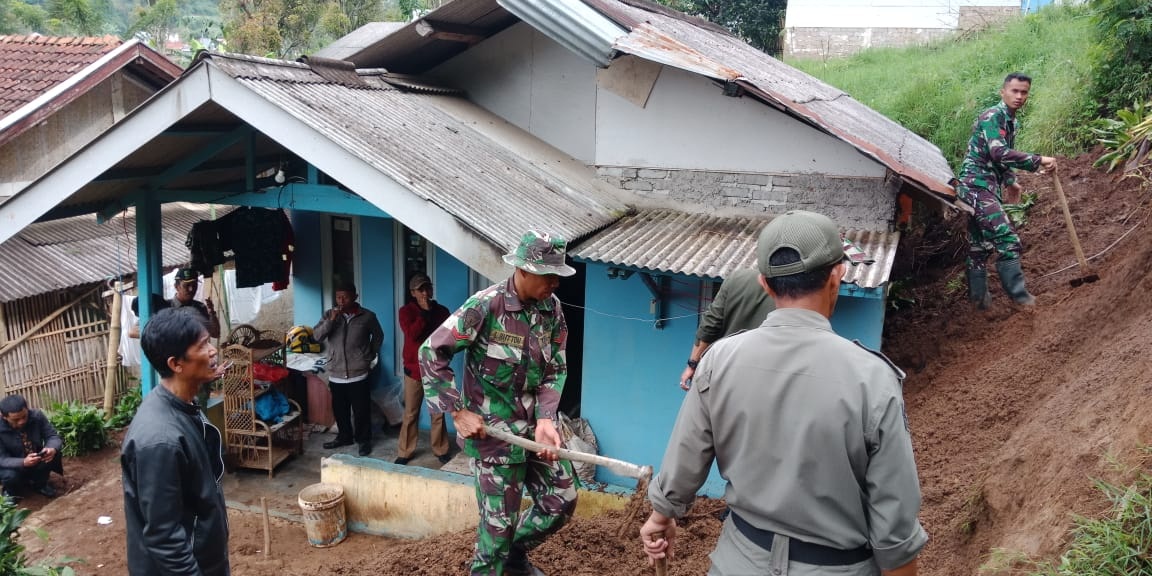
(863, 203)
(386, 499)
(840, 42)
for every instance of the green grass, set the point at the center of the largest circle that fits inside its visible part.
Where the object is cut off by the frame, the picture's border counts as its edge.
(1116, 543)
(937, 90)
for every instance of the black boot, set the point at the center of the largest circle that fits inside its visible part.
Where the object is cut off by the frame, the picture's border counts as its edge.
(518, 564)
(1012, 279)
(978, 289)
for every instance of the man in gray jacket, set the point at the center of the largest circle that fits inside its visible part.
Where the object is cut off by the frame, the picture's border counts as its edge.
(171, 461)
(354, 337)
(807, 427)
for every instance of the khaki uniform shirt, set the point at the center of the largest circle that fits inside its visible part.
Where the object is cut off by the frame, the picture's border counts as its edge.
(809, 431)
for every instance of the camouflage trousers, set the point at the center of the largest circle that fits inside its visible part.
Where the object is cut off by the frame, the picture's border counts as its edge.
(500, 490)
(989, 229)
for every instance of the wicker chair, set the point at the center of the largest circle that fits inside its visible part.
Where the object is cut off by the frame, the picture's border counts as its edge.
(251, 442)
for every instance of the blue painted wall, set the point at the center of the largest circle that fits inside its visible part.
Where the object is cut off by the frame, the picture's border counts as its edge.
(378, 290)
(631, 391)
(307, 271)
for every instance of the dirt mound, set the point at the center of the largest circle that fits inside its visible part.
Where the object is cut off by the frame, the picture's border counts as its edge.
(1015, 411)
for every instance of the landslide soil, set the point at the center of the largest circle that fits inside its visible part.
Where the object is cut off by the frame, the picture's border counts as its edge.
(1013, 412)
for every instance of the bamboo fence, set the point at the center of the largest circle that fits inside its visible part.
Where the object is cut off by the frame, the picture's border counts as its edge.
(64, 359)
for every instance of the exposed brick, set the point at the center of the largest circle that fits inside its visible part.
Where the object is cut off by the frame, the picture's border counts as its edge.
(628, 172)
(756, 179)
(652, 174)
(637, 185)
(610, 171)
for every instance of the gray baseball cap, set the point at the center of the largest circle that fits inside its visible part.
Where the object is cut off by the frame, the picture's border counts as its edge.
(814, 236)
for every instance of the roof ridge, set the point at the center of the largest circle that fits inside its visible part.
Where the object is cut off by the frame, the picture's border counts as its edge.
(107, 39)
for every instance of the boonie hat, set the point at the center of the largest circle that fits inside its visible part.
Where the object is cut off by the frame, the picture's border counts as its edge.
(187, 275)
(540, 253)
(814, 236)
(418, 281)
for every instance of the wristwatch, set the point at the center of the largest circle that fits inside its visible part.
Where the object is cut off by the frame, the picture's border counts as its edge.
(693, 363)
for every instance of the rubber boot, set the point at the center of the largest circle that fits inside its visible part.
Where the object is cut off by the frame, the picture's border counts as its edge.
(1012, 279)
(518, 564)
(978, 289)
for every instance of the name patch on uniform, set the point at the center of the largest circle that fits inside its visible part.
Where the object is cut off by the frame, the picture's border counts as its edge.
(506, 339)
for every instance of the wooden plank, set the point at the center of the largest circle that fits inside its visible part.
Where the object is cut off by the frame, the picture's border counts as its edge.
(54, 315)
(67, 329)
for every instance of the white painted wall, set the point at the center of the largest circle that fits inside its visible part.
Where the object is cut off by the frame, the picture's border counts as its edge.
(881, 13)
(689, 124)
(534, 83)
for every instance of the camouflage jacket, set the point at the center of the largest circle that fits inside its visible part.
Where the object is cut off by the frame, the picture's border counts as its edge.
(514, 365)
(990, 157)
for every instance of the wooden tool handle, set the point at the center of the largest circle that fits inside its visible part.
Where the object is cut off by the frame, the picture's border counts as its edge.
(618, 466)
(1068, 221)
(661, 563)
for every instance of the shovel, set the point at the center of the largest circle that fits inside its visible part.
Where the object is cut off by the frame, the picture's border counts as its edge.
(1086, 275)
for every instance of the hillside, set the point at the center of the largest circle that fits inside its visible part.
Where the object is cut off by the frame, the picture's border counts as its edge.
(937, 91)
(1014, 412)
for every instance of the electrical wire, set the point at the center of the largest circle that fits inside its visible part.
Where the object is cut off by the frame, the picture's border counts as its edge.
(633, 318)
(1102, 252)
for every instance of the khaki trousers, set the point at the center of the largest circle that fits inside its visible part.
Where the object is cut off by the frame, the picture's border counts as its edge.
(410, 429)
(736, 555)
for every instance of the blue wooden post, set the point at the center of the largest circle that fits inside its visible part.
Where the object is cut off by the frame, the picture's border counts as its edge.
(148, 273)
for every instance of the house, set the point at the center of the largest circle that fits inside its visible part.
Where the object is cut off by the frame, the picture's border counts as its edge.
(657, 143)
(57, 94)
(836, 28)
(55, 292)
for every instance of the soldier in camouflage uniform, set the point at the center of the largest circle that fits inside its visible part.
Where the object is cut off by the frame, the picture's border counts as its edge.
(513, 337)
(986, 174)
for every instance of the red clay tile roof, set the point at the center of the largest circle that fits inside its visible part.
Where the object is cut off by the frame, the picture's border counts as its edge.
(32, 65)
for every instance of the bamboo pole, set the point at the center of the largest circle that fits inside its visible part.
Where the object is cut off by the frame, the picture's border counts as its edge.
(3, 341)
(113, 350)
(48, 320)
(267, 534)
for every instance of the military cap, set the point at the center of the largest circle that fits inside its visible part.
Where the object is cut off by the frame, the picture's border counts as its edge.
(814, 236)
(540, 253)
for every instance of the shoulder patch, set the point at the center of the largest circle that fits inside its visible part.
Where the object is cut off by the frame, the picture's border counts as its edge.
(899, 373)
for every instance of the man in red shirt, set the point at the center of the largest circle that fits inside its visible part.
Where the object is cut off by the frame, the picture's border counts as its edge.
(418, 318)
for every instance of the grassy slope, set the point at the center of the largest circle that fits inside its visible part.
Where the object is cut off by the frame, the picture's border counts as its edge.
(937, 90)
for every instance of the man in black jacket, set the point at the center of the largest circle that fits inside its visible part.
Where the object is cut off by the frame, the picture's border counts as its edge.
(29, 449)
(171, 459)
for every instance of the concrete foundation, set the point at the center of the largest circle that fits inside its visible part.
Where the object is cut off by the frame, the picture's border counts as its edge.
(408, 502)
(853, 202)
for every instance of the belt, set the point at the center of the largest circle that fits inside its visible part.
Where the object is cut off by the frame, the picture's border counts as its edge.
(803, 552)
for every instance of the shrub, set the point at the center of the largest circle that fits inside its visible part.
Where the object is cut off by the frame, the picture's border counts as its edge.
(80, 426)
(126, 408)
(1124, 60)
(1127, 138)
(12, 560)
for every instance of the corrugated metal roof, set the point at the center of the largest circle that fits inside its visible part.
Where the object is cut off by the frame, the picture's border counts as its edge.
(679, 42)
(359, 39)
(486, 186)
(70, 252)
(714, 246)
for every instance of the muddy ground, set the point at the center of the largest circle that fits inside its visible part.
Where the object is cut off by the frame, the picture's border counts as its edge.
(1014, 412)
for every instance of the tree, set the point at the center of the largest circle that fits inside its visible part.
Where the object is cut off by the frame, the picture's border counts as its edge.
(156, 21)
(758, 22)
(272, 28)
(74, 16)
(343, 16)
